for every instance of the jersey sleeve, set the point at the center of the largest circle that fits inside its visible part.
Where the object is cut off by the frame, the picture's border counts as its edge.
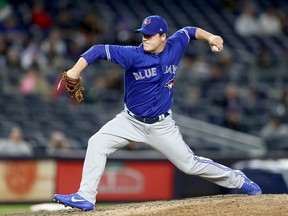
(95, 52)
(121, 55)
(184, 35)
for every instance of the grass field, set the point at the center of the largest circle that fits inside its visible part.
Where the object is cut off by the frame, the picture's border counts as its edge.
(24, 208)
(13, 208)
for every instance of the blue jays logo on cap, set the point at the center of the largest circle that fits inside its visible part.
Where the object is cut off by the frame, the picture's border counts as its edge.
(153, 25)
(146, 22)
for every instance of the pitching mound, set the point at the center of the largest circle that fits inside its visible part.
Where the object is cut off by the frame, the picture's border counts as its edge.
(264, 205)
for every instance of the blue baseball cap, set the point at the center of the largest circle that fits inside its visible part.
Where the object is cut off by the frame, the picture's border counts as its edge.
(153, 25)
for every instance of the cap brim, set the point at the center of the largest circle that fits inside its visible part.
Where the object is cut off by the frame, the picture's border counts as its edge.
(145, 31)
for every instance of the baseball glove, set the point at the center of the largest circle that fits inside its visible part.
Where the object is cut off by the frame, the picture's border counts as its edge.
(74, 87)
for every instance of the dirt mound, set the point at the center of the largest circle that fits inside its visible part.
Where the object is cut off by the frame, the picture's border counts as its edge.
(264, 205)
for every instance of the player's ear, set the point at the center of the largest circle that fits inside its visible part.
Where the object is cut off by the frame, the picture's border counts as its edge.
(163, 37)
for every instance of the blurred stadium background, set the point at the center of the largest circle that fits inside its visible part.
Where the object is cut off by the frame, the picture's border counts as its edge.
(223, 101)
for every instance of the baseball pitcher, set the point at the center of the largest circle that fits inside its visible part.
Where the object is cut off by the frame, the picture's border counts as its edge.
(150, 70)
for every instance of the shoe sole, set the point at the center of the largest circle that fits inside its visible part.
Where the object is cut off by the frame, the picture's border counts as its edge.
(65, 204)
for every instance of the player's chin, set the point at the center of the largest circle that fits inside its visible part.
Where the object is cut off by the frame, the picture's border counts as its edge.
(147, 48)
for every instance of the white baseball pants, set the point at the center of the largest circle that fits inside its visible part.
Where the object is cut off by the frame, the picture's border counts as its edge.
(163, 136)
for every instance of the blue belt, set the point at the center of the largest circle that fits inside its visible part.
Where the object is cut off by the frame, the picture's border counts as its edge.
(150, 120)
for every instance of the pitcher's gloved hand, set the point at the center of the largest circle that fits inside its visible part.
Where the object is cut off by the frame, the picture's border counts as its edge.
(73, 86)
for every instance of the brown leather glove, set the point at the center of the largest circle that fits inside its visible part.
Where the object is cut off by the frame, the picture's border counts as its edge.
(73, 86)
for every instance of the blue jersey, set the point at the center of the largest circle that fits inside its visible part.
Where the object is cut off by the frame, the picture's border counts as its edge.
(149, 78)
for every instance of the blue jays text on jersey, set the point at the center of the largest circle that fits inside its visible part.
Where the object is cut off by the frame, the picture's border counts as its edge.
(149, 78)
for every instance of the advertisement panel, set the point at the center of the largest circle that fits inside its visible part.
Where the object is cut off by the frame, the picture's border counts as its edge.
(27, 180)
(122, 181)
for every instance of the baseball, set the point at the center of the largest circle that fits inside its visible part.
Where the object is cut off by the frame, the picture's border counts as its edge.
(215, 49)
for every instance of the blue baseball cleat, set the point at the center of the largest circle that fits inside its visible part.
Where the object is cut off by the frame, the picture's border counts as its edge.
(249, 187)
(74, 201)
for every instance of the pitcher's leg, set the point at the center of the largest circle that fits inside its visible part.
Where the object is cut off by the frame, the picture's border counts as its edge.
(222, 175)
(99, 147)
(210, 170)
(166, 138)
(113, 135)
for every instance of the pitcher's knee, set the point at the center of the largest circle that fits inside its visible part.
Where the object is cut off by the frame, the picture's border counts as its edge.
(186, 168)
(98, 143)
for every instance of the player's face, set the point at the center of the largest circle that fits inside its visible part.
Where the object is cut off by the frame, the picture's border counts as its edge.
(154, 43)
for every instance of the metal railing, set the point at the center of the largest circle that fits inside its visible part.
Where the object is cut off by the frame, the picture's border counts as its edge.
(208, 139)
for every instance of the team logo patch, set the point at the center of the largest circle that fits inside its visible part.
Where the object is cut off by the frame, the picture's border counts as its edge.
(170, 84)
(147, 22)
